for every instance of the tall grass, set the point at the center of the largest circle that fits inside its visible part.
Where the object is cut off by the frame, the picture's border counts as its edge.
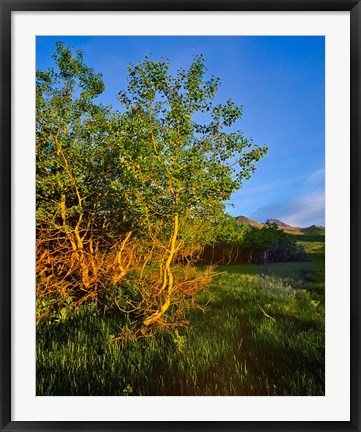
(262, 334)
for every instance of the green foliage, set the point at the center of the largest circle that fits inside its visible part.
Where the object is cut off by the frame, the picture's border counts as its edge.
(229, 231)
(232, 242)
(269, 244)
(70, 133)
(151, 172)
(173, 164)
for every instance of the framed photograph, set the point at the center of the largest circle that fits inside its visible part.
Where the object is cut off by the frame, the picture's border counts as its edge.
(180, 215)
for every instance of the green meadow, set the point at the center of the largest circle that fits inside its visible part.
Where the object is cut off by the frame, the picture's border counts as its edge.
(260, 331)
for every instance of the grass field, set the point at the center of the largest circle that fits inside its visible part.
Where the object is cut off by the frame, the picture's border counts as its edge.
(262, 334)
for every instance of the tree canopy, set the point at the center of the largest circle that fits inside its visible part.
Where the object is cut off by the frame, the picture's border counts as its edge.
(130, 192)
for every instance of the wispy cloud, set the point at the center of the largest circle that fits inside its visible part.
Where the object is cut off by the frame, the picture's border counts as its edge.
(302, 211)
(316, 178)
(248, 190)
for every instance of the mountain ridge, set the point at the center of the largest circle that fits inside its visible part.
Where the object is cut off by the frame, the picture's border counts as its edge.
(310, 230)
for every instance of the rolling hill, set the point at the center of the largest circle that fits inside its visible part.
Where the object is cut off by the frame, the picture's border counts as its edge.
(313, 230)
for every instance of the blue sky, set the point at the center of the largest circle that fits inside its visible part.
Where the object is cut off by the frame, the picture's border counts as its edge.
(280, 81)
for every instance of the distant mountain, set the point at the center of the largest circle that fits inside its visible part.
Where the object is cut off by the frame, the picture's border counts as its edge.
(313, 230)
(248, 221)
(277, 222)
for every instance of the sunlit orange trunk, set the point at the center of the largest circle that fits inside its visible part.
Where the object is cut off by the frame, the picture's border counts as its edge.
(168, 276)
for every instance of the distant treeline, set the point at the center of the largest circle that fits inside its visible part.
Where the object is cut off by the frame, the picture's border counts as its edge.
(248, 244)
(309, 238)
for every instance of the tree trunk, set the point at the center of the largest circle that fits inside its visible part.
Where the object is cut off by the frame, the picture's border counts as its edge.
(168, 276)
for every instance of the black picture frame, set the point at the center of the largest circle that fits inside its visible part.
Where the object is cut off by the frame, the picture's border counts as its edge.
(7, 7)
